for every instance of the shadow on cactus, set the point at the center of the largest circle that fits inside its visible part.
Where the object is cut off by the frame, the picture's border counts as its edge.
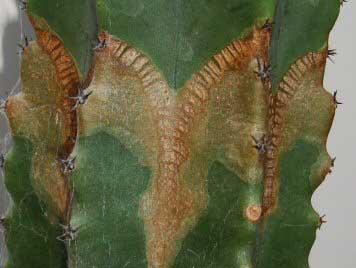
(179, 135)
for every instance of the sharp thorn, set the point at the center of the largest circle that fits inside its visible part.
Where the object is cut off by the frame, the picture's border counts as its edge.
(321, 221)
(330, 54)
(336, 102)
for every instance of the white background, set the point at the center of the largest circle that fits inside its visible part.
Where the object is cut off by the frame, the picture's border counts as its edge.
(335, 246)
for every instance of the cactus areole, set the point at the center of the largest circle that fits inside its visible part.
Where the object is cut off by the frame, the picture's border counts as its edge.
(169, 134)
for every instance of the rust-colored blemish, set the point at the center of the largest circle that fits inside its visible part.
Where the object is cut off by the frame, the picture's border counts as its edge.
(278, 107)
(68, 79)
(174, 204)
(169, 207)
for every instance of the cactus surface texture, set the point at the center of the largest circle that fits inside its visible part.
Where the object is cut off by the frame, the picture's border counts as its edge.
(169, 134)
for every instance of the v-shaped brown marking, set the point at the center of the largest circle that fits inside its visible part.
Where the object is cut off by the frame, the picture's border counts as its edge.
(279, 105)
(49, 77)
(179, 135)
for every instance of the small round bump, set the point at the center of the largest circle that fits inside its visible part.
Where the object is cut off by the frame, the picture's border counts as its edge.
(253, 212)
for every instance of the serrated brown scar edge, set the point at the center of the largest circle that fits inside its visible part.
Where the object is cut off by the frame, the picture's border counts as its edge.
(279, 104)
(169, 207)
(68, 78)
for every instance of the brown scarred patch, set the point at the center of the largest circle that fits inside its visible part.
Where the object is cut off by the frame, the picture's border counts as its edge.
(65, 81)
(175, 204)
(68, 77)
(166, 125)
(279, 105)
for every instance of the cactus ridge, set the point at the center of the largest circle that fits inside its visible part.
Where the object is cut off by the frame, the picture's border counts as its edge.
(278, 107)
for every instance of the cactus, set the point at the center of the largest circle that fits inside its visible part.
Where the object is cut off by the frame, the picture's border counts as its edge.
(169, 134)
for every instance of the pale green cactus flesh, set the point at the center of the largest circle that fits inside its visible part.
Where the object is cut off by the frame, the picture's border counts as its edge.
(167, 173)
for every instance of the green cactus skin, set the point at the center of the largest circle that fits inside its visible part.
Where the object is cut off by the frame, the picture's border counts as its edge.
(167, 174)
(294, 37)
(118, 219)
(27, 221)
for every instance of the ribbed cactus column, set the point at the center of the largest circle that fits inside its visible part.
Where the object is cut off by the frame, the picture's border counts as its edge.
(169, 134)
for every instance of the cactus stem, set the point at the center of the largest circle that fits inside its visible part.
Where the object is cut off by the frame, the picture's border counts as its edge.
(172, 138)
(321, 221)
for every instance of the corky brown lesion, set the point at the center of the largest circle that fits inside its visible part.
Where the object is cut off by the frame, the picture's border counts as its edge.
(166, 124)
(166, 204)
(51, 101)
(278, 108)
(68, 78)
